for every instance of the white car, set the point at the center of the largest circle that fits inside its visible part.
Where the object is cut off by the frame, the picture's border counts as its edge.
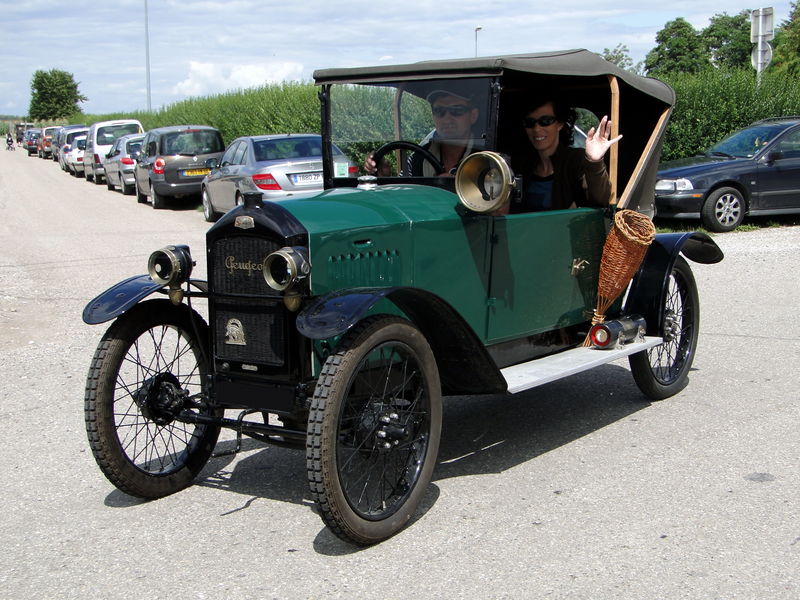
(74, 158)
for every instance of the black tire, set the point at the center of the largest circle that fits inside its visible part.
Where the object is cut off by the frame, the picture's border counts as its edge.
(125, 188)
(723, 210)
(148, 352)
(86, 171)
(159, 201)
(374, 429)
(209, 214)
(140, 197)
(98, 179)
(663, 371)
(109, 185)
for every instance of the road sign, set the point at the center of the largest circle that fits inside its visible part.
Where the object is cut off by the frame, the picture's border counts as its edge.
(761, 25)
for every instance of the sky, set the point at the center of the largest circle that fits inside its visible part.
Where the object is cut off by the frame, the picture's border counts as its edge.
(200, 47)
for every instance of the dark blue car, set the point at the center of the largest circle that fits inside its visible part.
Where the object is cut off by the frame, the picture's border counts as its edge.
(755, 171)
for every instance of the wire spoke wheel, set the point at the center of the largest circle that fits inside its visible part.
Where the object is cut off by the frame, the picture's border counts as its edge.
(663, 371)
(374, 430)
(147, 376)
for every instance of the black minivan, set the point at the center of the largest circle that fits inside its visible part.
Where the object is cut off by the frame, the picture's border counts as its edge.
(172, 162)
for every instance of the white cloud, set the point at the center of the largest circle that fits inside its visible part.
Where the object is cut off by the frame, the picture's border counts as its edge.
(211, 78)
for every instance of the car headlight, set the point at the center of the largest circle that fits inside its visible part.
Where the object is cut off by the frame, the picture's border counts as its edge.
(285, 267)
(171, 265)
(672, 185)
(484, 182)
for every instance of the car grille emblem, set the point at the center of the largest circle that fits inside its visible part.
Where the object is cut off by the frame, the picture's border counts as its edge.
(234, 333)
(244, 223)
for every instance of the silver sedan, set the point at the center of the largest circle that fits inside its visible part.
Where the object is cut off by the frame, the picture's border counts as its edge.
(278, 166)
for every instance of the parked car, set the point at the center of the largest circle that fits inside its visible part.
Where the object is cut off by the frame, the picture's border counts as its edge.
(277, 166)
(44, 145)
(119, 162)
(30, 140)
(337, 321)
(99, 139)
(754, 171)
(65, 141)
(172, 162)
(74, 158)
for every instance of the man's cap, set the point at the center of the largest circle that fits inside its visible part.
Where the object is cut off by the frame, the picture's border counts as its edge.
(432, 96)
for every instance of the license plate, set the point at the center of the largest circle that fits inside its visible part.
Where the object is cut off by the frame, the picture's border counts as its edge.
(195, 172)
(306, 178)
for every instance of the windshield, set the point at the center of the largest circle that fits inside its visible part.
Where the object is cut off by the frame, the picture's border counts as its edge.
(438, 114)
(747, 142)
(192, 141)
(286, 148)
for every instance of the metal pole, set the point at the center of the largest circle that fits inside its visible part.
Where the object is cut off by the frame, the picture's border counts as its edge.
(147, 55)
(477, 29)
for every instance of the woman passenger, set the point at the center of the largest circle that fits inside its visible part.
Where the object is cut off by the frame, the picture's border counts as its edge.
(555, 175)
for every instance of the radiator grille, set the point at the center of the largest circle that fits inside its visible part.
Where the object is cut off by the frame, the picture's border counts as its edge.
(237, 267)
(251, 332)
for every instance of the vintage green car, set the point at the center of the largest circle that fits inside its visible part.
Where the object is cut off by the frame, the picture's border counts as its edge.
(338, 321)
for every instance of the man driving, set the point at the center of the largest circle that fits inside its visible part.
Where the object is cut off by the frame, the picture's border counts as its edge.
(453, 118)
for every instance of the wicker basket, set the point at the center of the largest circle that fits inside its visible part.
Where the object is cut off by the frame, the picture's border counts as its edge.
(625, 247)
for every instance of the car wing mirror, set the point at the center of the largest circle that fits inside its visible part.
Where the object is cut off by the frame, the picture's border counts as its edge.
(774, 155)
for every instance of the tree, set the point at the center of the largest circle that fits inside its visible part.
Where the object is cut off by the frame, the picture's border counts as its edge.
(679, 49)
(620, 57)
(54, 95)
(727, 40)
(786, 57)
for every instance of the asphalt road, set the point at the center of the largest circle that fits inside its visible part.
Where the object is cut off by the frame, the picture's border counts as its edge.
(578, 489)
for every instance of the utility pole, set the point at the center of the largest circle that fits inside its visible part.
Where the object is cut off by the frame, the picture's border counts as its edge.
(761, 31)
(147, 55)
(477, 29)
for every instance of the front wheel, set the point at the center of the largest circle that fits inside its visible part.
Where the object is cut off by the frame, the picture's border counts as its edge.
(209, 214)
(723, 210)
(145, 384)
(374, 429)
(663, 371)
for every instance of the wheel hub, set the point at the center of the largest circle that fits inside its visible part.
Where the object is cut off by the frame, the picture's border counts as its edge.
(391, 432)
(671, 326)
(160, 398)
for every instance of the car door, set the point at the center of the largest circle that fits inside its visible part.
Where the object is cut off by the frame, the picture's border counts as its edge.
(239, 172)
(218, 184)
(779, 173)
(545, 267)
(145, 163)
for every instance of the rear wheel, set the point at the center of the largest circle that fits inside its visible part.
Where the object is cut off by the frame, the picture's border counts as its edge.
(87, 172)
(143, 388)
(663, 371)
(374, 429)
(159, 201)
(140, 197)
(125, 188)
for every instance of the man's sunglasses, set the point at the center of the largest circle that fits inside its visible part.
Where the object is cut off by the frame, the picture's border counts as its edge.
(545, 121)
(454, 110)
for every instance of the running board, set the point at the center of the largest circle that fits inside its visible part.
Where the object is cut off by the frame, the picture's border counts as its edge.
(525, 376)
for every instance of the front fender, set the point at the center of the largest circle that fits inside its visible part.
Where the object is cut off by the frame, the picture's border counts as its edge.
(119, 298)
(465, 366)
(646, 295)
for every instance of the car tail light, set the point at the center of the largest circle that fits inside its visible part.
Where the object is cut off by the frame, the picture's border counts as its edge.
(158, 166)
(266, 181)
(620, 331)
(97, 159)
(127, 160)
(352, 170)
(79, 159)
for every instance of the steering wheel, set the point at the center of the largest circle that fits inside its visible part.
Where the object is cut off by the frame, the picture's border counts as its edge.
(378, 155)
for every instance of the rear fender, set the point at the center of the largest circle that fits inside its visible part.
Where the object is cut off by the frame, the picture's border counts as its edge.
(119, 298)
(647, 290)
(465, 366)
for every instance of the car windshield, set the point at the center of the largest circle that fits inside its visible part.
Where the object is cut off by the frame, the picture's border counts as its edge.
(747, 142)
(287, 148)
(192, 141)
(133, 146)
(73, 134)
(364, 117)
(108, 134)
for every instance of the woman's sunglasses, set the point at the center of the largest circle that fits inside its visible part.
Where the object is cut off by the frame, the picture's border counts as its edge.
(545, 121)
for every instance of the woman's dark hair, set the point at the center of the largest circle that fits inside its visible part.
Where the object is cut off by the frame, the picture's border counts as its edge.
(563, 112)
